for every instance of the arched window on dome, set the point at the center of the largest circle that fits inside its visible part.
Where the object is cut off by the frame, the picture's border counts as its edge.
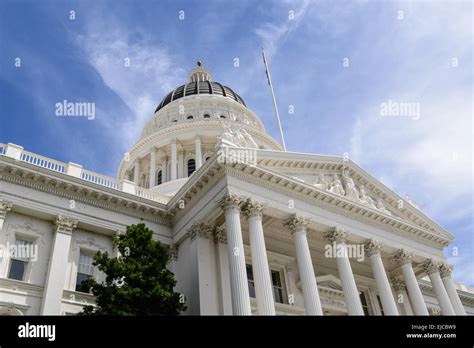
(207, 116)
(159, 177)
(190, 117)
(191, 166)
(223, 116)
(207, 157)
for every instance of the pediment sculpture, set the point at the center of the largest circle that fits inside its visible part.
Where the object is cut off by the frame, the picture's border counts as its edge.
(321, 183)
(346, 187)
(364, 198)
(336, 186)
(349, 186)
(237, 136)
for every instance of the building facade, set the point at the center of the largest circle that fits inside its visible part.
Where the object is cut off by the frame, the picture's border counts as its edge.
(252, 229)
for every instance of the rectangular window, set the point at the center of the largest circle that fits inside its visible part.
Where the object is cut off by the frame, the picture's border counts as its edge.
(276, 283)
(85, 271)
(363, 301)
(250, 281)
(19, 259)
(380, 304)
(277, 287)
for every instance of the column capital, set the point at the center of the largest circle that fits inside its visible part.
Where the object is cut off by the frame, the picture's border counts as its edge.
(230, 201)
(430, 266)
(220, 235)
(173, 250)
(199, 230)
(372, 247)
(445, 269)
(398, 284)
(252, 208)
(402, 256)
(65, 224)
(197, 137)
(5, 207)
(296, 223)
(434, 311)
(337, 235)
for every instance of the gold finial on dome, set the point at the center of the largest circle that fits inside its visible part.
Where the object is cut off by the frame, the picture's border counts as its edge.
(199, 73)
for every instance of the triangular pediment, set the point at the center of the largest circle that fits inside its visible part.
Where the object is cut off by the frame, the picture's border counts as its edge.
(329, 281)
(341, 183)
(342, 178)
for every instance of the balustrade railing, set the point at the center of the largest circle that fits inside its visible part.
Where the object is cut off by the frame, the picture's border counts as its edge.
(44, 162)
(75, 170)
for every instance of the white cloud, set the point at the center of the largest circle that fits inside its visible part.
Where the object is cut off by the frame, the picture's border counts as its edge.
(272, 34)
(431, 157)
(141, 85)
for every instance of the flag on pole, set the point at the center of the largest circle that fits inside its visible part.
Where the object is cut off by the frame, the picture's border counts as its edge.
(266, 68)
(275, 107)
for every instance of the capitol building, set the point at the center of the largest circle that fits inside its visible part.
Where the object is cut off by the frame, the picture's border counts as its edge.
(252, 229)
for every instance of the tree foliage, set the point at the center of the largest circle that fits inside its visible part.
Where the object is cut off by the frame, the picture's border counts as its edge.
(137, 282)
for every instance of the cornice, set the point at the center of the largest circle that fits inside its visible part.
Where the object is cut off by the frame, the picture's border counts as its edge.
(303, 161)
(71, 188)
(335, 203)
(467, 298)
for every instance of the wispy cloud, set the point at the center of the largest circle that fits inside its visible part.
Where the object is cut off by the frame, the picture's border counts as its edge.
(139, 72)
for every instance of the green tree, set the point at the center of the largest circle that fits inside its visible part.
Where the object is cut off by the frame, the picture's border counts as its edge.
(137, 282)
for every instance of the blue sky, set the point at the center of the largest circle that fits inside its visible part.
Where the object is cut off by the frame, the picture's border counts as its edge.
(410, 51)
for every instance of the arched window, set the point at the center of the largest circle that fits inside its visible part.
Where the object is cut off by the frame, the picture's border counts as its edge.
(207, 157)
(222, 116)
(191, 166)
(207, 116)
(190, 117)
(174, 121)
(159, 179)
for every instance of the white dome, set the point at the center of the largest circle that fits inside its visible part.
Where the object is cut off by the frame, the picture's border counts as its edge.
(184, 131)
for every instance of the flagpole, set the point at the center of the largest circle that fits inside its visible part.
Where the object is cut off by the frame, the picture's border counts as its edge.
(275, 107)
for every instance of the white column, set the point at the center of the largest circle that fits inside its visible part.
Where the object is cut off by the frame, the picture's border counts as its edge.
(372, 250)
(445, 272)
(136, 172)
(5, 207)
(401, 295)
(164, 170)
(54, 285)
(416, 297)
(261, 271)
(220, 238)
(174, 161)
(349, 287)
(152, 168)
(202, 252)
(182, 168)
(312, 302)
(198, 152)
(235, 248)
(431, 269)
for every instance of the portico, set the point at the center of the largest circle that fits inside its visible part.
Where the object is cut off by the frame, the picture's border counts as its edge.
(250, 224)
